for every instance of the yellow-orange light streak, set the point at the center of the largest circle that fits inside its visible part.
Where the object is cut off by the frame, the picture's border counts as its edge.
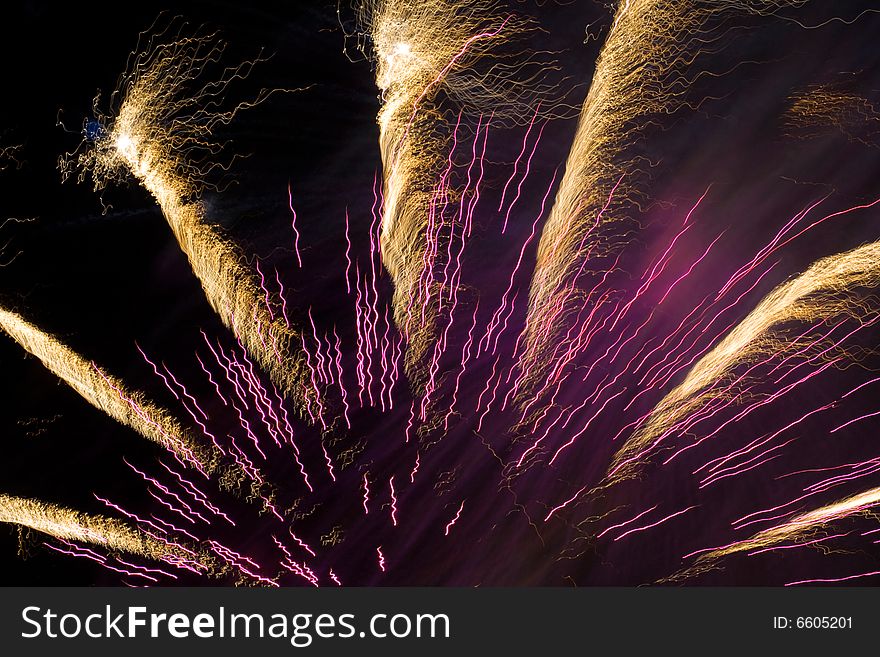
(106, 393)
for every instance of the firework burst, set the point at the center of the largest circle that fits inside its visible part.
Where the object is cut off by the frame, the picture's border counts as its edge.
(531, 368)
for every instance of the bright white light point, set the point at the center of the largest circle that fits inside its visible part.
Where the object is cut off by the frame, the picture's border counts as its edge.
(401, 50)
(124, 144)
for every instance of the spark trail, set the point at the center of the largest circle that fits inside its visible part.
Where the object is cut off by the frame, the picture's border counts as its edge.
(435, 59)
(160, 132)
(106, 393)
(830, 288)
(645, 71)
(821, 107)
(796, 530)
(8, 156)
(67, 524)
(435, 472)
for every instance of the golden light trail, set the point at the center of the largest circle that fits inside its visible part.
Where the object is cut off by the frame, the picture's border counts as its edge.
(830, 287)
(819, 108)
(161, 133)
(8, 156)
(802, 526)
(106, 393)
(442, 65)
(645, 71)
(68, 524)
(435, 59)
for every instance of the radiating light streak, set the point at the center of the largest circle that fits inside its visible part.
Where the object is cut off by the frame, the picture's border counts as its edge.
(67, 524)
(107, 393)
(654, 524)
(833, 579)
(454, 520)
(625, 522)
(790, 530)
(423, 53)
(827, 289)
(159, 131)
(641, 73)
(293, 226)
(393, 501)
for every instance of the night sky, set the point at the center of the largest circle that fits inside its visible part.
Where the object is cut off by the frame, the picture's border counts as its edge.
(104, 273)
